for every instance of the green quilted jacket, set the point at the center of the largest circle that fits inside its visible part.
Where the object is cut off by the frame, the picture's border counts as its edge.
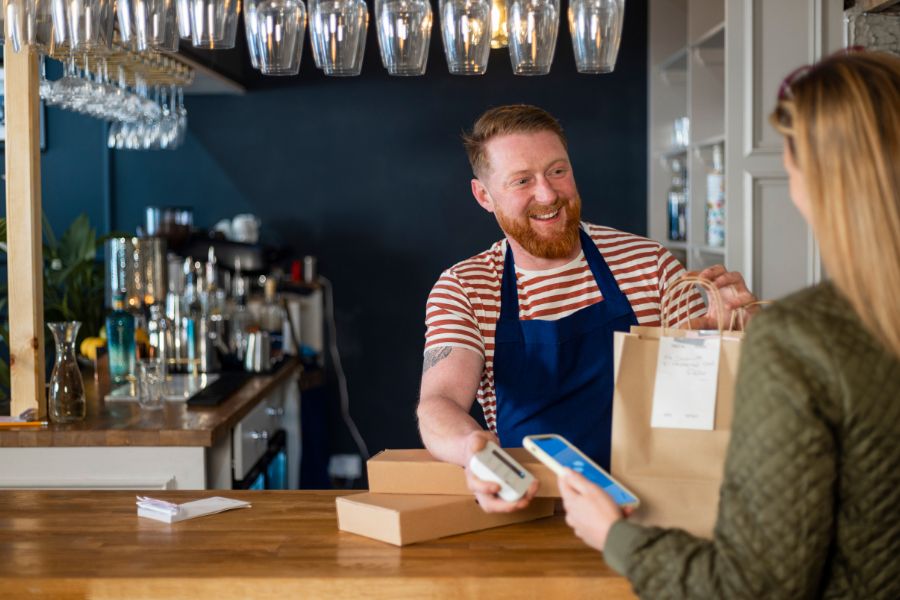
(810, 501)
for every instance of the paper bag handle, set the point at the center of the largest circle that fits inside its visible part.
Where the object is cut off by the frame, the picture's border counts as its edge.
(740, 312)
(676, 295)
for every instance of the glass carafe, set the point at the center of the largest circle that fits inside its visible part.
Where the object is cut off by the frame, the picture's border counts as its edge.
(66, 402)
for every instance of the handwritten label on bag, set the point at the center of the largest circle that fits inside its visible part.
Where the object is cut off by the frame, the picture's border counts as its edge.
(687, 370)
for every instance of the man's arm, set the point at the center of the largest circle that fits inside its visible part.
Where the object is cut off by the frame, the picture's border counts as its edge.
(450, 378)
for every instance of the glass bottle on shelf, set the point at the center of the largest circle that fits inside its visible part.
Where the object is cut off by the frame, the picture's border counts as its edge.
(241, 320)
(677, 202)
(715, 199)
(161, 335)
(272, 316)
(66, 400)
(120, 338)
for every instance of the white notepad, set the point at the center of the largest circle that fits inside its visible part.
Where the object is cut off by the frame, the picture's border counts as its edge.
(167, 512)
(687, 372)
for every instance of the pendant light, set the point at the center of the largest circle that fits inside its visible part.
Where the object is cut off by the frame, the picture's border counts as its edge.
(499, 27)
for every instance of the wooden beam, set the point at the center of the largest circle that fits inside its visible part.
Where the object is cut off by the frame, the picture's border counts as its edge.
(23, 215)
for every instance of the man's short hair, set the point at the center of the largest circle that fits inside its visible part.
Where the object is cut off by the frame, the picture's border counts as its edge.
(504, 120)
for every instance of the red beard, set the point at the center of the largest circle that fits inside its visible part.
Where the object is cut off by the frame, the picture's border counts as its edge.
(559, 244)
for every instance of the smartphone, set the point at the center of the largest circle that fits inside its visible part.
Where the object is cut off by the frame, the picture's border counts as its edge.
(557, 452)
(492, 463)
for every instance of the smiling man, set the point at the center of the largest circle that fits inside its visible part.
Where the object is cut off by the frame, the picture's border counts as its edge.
(526, 327)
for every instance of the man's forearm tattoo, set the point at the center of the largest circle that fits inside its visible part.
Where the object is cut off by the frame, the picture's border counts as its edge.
(434, 356)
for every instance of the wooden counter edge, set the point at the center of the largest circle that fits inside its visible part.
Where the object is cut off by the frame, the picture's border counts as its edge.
(240, 588)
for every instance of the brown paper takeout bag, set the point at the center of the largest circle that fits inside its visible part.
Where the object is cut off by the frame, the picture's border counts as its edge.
(676, 473)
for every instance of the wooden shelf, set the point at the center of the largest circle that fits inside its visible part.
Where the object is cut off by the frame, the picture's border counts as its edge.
(674, 68)
(710, 141)
(714, 38)
(673, 152)
(717, 250)
(700, 66)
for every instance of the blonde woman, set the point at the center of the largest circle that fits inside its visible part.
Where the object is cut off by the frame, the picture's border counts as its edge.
(810, 502)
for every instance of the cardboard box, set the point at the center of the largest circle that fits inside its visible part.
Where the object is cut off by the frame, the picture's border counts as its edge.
(402, 519)
(417, 472)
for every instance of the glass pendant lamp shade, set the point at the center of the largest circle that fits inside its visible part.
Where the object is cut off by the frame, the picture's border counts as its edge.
(275, 28)
(404, 32)
(466, 31)
(533, 25)
(214, 23)
(499, 28)
(596, 27)
(337, 31)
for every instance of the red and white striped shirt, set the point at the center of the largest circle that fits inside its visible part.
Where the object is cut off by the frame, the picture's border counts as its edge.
(464, 305)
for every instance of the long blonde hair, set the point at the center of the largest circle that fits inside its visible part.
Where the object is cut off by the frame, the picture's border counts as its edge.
(841, 119)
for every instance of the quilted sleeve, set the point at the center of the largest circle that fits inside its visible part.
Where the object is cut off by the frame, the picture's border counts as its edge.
(775, 518)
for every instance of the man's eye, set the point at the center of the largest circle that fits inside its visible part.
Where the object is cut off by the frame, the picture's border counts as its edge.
(521, 181)
(559, 171)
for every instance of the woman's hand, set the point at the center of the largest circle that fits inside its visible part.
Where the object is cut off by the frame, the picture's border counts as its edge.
(589, 510)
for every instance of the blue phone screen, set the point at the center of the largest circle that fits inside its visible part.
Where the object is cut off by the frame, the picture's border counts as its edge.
(569, 458)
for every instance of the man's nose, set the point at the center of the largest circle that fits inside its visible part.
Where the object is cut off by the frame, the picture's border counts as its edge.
(544, 192)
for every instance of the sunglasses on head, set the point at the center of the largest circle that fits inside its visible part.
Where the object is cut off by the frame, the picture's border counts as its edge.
(784, 90)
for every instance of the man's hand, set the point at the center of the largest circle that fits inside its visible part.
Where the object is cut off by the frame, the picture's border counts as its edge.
(486, 491)
(734, 294)
(589, 510)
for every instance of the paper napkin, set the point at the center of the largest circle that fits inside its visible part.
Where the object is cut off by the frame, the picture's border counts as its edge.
(167, 512)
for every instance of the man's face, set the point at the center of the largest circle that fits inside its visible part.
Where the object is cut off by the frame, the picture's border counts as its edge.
(530, 188)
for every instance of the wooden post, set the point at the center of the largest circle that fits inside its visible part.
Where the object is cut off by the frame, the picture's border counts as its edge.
(24, 242)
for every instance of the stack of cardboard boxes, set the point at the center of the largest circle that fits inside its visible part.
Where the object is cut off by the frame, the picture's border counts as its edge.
(414, 497)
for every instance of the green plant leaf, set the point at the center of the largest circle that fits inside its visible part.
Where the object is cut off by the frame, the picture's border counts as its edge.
(3, 230)
(49, 236)
(78, 242)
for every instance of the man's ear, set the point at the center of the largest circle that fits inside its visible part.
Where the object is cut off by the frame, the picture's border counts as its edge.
(482, 196)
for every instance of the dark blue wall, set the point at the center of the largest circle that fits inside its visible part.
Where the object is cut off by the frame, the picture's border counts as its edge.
(368, 174)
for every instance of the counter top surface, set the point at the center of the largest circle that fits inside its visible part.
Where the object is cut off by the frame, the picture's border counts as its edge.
(123, 423)
(78, 544)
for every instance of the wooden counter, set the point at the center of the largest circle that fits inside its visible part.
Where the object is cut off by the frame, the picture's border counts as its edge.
(92, 545)
(123, 423)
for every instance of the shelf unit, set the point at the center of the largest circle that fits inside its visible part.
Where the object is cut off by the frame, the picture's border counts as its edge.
(686, 79)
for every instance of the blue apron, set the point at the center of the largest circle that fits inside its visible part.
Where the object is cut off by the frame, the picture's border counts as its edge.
(557, 376)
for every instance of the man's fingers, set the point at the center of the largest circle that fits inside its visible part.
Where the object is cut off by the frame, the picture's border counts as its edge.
(492, 504)
(479, 486)
(711, 273)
